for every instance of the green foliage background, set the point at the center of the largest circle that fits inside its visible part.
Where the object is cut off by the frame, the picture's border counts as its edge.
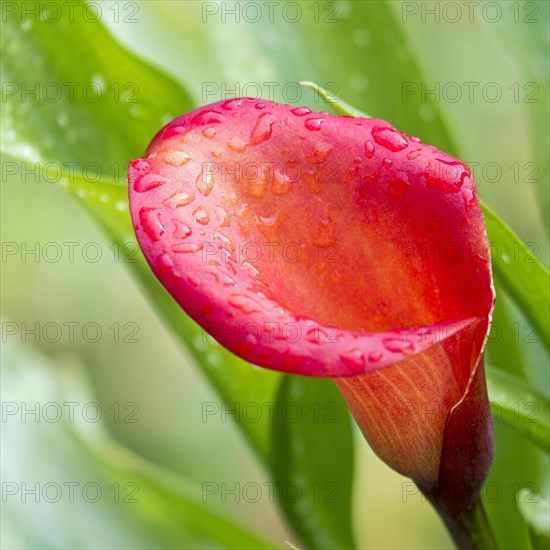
(166, 55)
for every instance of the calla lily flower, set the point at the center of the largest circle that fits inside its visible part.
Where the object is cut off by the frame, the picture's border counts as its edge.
(334, 246)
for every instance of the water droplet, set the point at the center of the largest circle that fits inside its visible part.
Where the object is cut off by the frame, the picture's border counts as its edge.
(177, 158)
(146, 182)
(182, 230)
(260, 105)
(321, 152)
(282, 183)
(469, 195)
(237, 144)
(313, 181)
(389, 138)
(416, 140)
(354, 360)
(209, 133)
(205, 180)
(186, 248)
(314, 124)
(150, 221)
(398, 188)
(269, 220)
(173, 130)
(440, 182)
(178, 200)
(222, 216)
(398, 344)
(386, 163)
(225, 279)
(414, 154)
(232, 104)
(202, 215)
(140, 165)
(250, 269)
(245, 304)
(263, 128)
(375, 356)
(369, 149)
(258, 186)
(208, 117)
(300, 111)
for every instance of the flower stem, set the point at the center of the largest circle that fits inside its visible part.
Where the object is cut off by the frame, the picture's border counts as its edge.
(470, 529)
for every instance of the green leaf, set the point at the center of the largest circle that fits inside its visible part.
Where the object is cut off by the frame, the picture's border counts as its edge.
(337, 104)
(129, 503)
(73, 95)
(520, 406)
(536, 511)
(105, 134)
(313, 461)
(519, 272)
(527, 44)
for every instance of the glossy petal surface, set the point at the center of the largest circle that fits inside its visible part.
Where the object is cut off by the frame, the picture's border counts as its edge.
(333, 246)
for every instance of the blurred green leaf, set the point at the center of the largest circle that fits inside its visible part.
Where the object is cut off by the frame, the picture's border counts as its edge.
(313, 461)
(503, 350)
(518, 271)
(524, 37)
(337, 104)
(129, 502)
(107, 134)
(536, 511)
(71, 94)
(520, 406)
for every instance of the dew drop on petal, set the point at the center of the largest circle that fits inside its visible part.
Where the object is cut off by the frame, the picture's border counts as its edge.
(300, 111)
(208, 117)
(140, 165)
(414, 154)
(205, 180)
(314, 124)
(182, 230)
(386, 163)
(186, 248)
(354, 360)
(389, 138)
(177, 158)
(245, 304)
(178, 200)
(263, 128)
(209, 133)
(150, 221)
(222, 216)
(369, 149)
(202, 215)
(399, 344)
(237, 144)
(321, 152)
(232, 104)
(146, 182)
(282, 183)
(375, 356)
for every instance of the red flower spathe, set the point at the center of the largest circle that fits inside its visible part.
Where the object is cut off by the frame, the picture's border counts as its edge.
(333, 246)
